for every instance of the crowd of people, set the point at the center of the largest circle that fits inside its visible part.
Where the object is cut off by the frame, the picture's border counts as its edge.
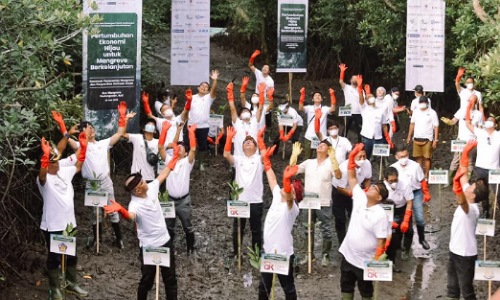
(336, 170)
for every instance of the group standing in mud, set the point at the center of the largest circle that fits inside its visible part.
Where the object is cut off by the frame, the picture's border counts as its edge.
(334, 171)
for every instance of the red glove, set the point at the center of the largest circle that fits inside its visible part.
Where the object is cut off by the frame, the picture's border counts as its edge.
(165, 126)
(210, 140)
(289, 135)
(270, 94)
(302, 95)
(464, 160)
(262, 89)
(352, 165)
(468, 110)
(175, 157)
(122, 110)
(457, 186)
(425, 190)
(192, 136)
(244, 83)
(260, 139)
(317, 119)
(116, 207)
(359, 80)
(342, 71)
(58, 118)
(393, 126)
(368, 89)
(379, 252)
(254, 55)
(217, 140)
(460, 73)
(145, 103)
(229, 90)
(44, 161)
(189, 98)
(394, 225)
(230, 132)
(406, 221)
(333, 100)
(388, 140)
(287, 177)
(266, 161)
(82, 138)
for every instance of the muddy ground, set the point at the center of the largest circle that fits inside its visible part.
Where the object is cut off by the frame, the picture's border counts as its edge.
(114, 274)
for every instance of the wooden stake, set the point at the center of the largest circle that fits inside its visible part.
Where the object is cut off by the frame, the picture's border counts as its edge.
(157, 282)
(284, 143)
(290, 77)
(380, 171)
(97, 229)
(495, 200)
(309, 242)
(239, 245)
(345, 127)
(63, 273)
(216, 134)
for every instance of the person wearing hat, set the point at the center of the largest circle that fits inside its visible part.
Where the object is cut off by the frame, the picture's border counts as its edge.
(145, 210)
(55, 186)
(424, 129)
(419, 92)
(354, 121)
(293, 132)
(248, 175)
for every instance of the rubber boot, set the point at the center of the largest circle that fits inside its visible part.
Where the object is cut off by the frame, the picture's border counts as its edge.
(72, 286)
(190, 243)
(341, 235)
(306, 250)
(421, 237)
(366, 298)
(325, 254)
(202, 156)
(54, 285)
(118, 234)
(347, 296)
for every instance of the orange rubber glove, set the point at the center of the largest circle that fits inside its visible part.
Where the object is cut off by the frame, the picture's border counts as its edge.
(388, 140)
(460, 73)
(244, 83)
(393, 126)
(464, 160)
(229, 90)
(342, 68)
(230, 132)
(333, 100)
(44, 161)
(302, 95)
(116, 207)
(262, 89)
(175, 157)
(289, 135)
(145, 103)
(82, 138)
(359, 80)
(254, 55)
(317, 119)
(425, 190)
(282, 134)
(394, 225)
(58, 118)
(219, 137)
(406, 221)
(457, 186)
(260, 139)
(192, 136)
(352, 165)
(468, 110)
(165, 126)
(287, 177)
(189, 98)
(122, 110)
(266, 161)
(368, 90)
(210, 140)
(379, 252)
(270, 94)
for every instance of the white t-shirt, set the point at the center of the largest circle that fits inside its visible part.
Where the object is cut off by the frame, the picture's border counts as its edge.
(342, 146)
(295, 115)
(151, 227)
(317, 177)
(139, 161)
(259, 77)
(96, 160)
(464, 133)
(200, 110)
(465, 96)
(176, 120)
(411, 174)
(373, 118)
(243, 129)
(488, 149)
(400, 195)
(179, 177)
(463, 231)
(425, 122)
(387, 103)
(58, 199)
(367, 225)
(362, 173)
(255, 110)
(249, 172)
(414, 104)
(159, 104)
(278, 225)
(351, 95)
(310, 110)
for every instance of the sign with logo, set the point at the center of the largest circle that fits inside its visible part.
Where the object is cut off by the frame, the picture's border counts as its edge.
(494, 176)
(310, 201)
(156, 256)
(285, 120)
(487, 270)
(381, 150)
(238, 209)
(389, 211)
(62, 244)
(168, 209)
(96, 198)
(275, 263)
(345, 111)
(216, 120)
(377, 270)
(457, 145)
(485, 227)
(438, 176)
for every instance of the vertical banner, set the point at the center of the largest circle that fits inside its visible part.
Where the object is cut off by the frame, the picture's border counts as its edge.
(112, 63)
(292, 36)
(190, 42)
(425, 32)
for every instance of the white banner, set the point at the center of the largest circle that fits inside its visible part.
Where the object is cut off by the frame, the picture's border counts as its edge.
(190, 42)
(425, 42)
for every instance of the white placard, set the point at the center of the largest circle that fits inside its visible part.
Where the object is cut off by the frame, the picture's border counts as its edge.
(345, 111)
(458, 145)
(238, 209)
(487, 270)
(161, 165)
(389, 211)
(285, 120)
(63, 244)
(494, 176)
(310, 201)
(485, 227)
(216, 120)
(377, 270)
(96, 198)
(156, 256)
(438, 176)
(168, 209)
(315, 142)
(381, 150)
(275, 263)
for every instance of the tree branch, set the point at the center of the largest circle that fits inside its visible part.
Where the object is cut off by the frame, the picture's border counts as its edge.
(34, 89)
(391, 5)
(480, 13)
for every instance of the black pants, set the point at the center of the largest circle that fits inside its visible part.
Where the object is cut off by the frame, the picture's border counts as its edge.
(354, 122)
(341, 209)
(349, 274)
(54, 259)
(461, 276)
(295, 137)
(256, 210)
(397, 235)
(287, 283)
(201, 139)
(480, 173)
(149, 273)
(269, 120)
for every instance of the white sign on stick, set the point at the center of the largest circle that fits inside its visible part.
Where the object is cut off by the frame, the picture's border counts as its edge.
(389, 211)
(285, 120)
(216, 120)
(310, 201)
(238, 209)
(62, 244)
(156, 256)
(487, 270)
(168, 209)
(345, 111)
(494, 176)
(377, 270)
(485, 227)
(381, 150)
(438, 176)
(275, 263)
(96, 198)
(457, 145)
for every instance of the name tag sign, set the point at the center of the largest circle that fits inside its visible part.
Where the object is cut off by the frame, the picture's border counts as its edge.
(238, 209)
(485, 227)
(216, 120)
(96, 198)
(168, 209)
(315, 143)
(63, 244)
(310, 201)
(458, 145)
(275, 263)
(156, 256)
(487, 270)
(494, 176)
(381, 150)
(345, 111)
(389, 211)
(285, 120)
(161, 166)
(438, 176)
(377, 270)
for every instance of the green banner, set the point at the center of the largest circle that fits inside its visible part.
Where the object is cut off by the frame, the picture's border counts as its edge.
(292, 36)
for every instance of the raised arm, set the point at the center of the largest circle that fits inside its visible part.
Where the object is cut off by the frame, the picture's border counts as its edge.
(170, 166)
(342, 68)
(460, 73)
(359, 80)
(230, 100)
(161, 141)
(468, 122)
(287, 184)
(351, 166)
(229, 142)
(333, 100)
(243, 90)
(214, 76)
(335, 164)
(128, 117)
(192, 142)
(146, 107)
(252, 59)
(122, 123)
(461, 178)
(266, 161)
(302, 98)
(44, 162)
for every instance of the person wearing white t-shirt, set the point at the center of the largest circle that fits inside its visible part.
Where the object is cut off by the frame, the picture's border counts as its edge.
(253, 105)
(164, 98)
(366, 236)
(145, 210)
(466, 93)
(386, 102)
(263, 76)
(419, 92)
(278, 225)
(340, 144)
(198, 107)
(351, 96)
(292, 132)
(54, 183)
(463, 245)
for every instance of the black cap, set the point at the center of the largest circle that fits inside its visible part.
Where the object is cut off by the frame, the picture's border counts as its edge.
(423, 99)
(419, 88)
(395, 89)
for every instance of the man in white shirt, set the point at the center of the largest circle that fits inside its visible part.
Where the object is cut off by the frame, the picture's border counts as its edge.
(351, 99)
(385, 101)
(253, 105)
(419, 92)
(465, 94)
(292, 132)
(262, 76)
(340, 144)
(463, 245)
(164, 101)
(145, 210)
(365, 238)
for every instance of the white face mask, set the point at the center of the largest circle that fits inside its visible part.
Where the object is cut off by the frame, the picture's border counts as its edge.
(489, 124)
(403, 161)
(371, 100)
(333, 132)
(149, 128)
(422, 105)
(168, 113)
(395, 96)
(470, 86)
(393, 185)
(245, 115)
(360, 162)
(255, 99)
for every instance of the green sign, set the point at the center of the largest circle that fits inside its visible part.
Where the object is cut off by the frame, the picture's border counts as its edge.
(292, 35)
